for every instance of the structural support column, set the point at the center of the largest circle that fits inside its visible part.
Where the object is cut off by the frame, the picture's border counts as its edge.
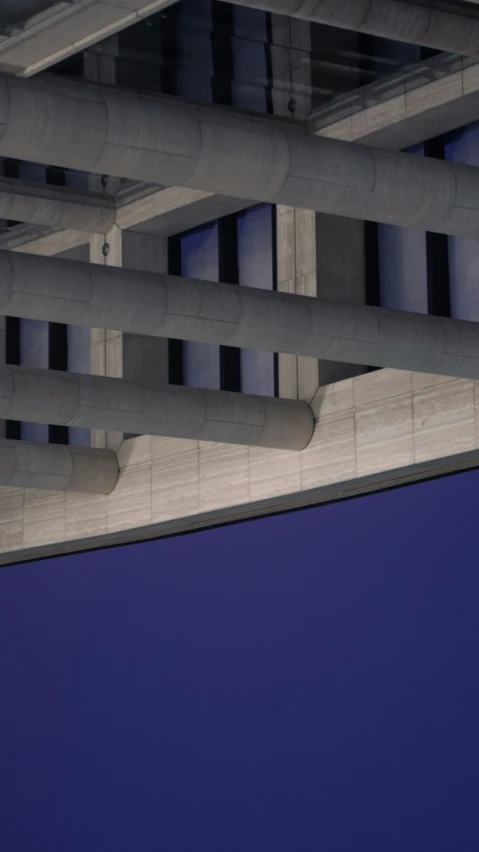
(297, 273)
(340, 277)
(57, 468)
(128, 355)
(323, 257)
(95, 402)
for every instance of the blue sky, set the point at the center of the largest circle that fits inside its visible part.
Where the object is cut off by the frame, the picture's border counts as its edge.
(303, 682)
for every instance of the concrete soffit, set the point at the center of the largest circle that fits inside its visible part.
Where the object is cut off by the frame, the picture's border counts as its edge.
(426, 99)
(151, 209)
(68, 27)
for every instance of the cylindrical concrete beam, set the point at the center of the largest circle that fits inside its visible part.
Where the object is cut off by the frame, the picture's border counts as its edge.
(163, 140)
(41, 204)
(162, 305)
(54, 467)
(96, 402)
(394, 19)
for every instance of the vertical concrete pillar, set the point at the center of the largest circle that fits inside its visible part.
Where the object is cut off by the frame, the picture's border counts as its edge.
(296, 246)
(105, 344)
(112, 353)
(129, 356)
(145, 359)
(324, 256)
(340, 277)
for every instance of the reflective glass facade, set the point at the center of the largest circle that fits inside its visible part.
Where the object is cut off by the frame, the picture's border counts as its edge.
(210, 51)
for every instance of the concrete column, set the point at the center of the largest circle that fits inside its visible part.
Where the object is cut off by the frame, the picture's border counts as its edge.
(165, 141)
(323, 257)
(145, 359)
(207, 312)
(395, 19)
(297, 274)
(77, 399)
(57, 468)
(340, 277)
(128, 355)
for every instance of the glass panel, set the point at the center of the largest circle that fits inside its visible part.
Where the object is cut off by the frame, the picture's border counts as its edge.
(79, 362)
(249, 59)
(207, 51)
(403, 265)
(34, 353)
(463, 147)
(402, 268)
(255, 267)
(199, 259)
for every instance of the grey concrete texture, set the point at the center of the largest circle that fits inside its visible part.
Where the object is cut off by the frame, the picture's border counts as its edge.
(163, 140)
(163, 305)
(55, 467)
(55, 206)
(96, 402)
(393, 19)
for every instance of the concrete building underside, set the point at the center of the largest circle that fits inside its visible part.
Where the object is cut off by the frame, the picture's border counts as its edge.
(237, 285)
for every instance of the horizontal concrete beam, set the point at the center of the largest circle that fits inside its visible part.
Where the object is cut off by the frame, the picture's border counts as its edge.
(57, 218)
(57, 207)
(231, 153)
(187, 309)
(67, 29)
(57, 468)
(96, 402)
(394, 19)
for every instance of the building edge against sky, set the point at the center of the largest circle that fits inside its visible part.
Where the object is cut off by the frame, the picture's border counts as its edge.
(373, 428)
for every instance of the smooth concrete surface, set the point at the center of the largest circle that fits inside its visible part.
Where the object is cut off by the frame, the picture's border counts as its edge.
(383, 429)
(54, 467)
(97, 402)
(68, 28)
(56, 207)
(435, 97)
(442, 93)
(321, 256)
(392, 19)
(296, 269)
(165, 211)
(208, 312)
(341, 277)
(232, 153)
(121, 355)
